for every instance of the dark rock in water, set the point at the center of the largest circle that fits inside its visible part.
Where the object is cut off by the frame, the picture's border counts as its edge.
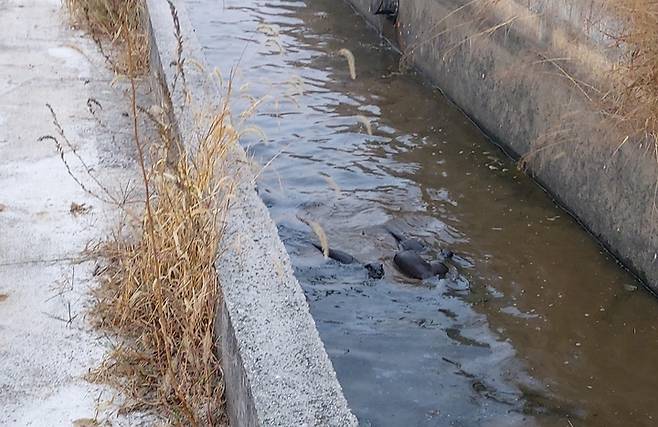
(338, 255)
(411, 264)
(375, 270)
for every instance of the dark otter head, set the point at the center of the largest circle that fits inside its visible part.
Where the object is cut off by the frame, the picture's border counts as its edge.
(447, 253)
(375, 270)
(439, 269)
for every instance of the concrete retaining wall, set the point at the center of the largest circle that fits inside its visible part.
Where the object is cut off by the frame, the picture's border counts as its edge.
(524, 84)
(276, 370)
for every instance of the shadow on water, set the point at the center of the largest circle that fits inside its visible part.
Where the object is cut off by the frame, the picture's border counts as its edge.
(551, 332)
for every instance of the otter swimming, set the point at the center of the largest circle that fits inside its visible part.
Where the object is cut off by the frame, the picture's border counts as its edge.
(338, 255)
(411, 264)
(407, 244)
(375, 269)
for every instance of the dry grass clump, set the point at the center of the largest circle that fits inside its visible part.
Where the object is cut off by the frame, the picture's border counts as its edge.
(634, 97)
(159, 290)
(160, 293)
(119, 23)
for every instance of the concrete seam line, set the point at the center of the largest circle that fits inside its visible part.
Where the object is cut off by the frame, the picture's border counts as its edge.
(276, 369)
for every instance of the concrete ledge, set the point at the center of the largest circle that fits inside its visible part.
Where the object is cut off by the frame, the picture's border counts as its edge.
(527, 104)
(276, 370)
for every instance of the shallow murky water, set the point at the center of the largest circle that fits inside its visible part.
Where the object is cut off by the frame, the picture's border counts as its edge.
(552, 330)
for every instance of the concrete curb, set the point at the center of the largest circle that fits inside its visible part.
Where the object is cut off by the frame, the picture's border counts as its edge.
(276, 370)
(606, 187)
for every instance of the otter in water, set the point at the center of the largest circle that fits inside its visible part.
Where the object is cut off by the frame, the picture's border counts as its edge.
(375, 269)
(406, 244)
(338, 255)
(446, 254)
(416, 245)
(411, 264)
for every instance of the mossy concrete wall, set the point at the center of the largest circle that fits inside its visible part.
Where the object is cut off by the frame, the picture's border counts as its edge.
(522, 71)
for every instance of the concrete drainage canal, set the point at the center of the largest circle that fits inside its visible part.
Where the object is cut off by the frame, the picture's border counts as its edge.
(532, 325)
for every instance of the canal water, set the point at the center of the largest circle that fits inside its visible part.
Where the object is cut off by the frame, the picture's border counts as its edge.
(536, 325)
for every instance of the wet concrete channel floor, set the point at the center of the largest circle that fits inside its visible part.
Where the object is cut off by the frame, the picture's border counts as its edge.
(552, 330)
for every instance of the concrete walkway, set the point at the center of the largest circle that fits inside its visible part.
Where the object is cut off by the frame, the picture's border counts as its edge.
(46, 343)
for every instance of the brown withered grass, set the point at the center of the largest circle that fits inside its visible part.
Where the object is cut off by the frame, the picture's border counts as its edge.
(160, 293)
(634, 97)
(117, 24)
(159, 289)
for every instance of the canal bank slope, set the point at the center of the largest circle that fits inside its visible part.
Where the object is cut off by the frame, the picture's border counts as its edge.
(524, 73)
